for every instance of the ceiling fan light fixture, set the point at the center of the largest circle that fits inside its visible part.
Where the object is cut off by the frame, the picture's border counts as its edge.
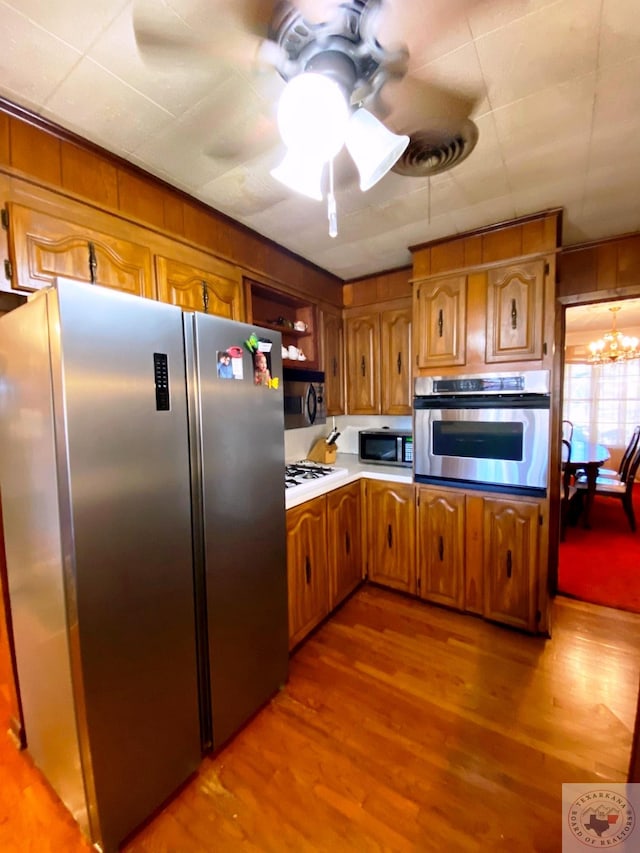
(373, 147)
(301, 172)
(312, 116)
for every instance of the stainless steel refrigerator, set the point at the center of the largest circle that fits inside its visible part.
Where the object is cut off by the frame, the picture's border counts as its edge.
(143, 510)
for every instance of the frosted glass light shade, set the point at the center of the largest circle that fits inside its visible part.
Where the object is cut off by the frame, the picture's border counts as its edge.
(313, 115)
(301, 173)
(372, 146)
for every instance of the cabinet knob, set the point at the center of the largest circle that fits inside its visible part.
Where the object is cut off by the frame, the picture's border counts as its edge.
(399, 362)
(440, 323)
(389, 536)
(514, 314)
(347, 542)
(441, 548)
(509, 567)
(362, 366)
(307, 569)
(93, 264)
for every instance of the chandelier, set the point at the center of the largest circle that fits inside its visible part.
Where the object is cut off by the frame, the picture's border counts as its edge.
(613, 345)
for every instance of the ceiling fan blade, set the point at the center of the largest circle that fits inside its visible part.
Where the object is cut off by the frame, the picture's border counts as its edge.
(409, 105)
(203, 35)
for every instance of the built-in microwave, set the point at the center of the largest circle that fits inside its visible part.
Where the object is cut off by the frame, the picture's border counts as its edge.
(304, 402)
(386, 447)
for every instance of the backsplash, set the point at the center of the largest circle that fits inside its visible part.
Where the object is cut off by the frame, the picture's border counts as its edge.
(298, 442)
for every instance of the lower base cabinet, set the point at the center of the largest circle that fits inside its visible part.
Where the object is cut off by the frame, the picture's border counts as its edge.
(510, 557)
(324, 557)
(440, 546)
(307, 573)
(344, 541)
(391, 534)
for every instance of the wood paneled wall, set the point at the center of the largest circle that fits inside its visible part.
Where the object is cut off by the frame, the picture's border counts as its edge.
(47, 155)
(531, 235)
(373, 289)
(605, 265)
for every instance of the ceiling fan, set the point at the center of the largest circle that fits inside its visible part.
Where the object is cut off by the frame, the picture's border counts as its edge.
(349, 83)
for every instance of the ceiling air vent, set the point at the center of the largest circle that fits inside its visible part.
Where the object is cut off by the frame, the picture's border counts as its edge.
(431, 151)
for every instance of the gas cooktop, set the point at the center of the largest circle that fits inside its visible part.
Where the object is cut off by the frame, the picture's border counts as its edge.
(304, 474)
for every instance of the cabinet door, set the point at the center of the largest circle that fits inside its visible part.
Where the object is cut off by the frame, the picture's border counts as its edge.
(334, 364)
(395, 380)
(515, 296)
(510, 562)
(391, 534)
(441, 531)
(440, 320)
(44, 246)
(363, 369)
(307, 573)
(214, 290)
(344, 541)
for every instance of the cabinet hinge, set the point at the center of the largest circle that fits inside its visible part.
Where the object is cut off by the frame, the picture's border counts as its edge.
(8, 270)
(4, 216)
(546, 268)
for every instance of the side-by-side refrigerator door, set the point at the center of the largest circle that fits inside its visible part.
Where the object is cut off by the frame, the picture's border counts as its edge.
(129, 548)
(237, 383)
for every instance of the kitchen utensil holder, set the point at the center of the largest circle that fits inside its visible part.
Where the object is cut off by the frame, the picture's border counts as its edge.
(323, 452)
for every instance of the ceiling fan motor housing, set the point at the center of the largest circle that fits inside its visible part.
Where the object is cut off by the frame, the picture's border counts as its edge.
(341, 49)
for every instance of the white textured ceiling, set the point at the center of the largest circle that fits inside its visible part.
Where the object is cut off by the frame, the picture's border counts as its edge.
(556, 88)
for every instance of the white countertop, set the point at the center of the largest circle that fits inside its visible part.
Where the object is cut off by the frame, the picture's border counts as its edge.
(352, 470)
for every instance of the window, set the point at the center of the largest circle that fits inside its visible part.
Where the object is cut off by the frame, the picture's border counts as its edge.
(603, 401)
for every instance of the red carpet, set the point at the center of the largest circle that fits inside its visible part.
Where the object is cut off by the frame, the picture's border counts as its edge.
(602, 565)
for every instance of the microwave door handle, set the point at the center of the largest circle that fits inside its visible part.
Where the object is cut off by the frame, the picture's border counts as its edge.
(312, 404)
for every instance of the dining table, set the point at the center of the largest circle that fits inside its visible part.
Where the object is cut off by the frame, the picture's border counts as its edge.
(587, 457)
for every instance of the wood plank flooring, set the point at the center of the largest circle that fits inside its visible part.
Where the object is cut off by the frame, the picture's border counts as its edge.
(403, 727)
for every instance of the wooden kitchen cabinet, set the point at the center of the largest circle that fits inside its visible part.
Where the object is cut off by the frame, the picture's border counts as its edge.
(390, 534)
(439, 316)
(344, 542)
(441, 545)
(395, 340)
(307, 570)
(510, 561)
(43, 246)
(333, 361)
(363, 364)
(378, 347)
(515, 300)
(212, 286)
(294, 318)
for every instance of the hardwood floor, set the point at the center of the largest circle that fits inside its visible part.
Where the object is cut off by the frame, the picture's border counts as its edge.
(403, 727)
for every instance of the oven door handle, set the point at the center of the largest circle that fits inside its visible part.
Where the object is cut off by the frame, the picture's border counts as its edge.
(482, 401)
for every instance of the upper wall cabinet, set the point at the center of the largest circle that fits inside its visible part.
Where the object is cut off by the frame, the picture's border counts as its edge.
(363, 364)
(333, 362)
(439, 312)
(212, 287)
(515, 298)
(43, 246)
(296, 320)
(378, 362)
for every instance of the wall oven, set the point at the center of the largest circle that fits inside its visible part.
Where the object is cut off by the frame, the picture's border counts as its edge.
(488, 431)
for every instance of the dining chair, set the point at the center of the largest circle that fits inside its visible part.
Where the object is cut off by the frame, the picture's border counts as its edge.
(613, 488)
(625, 462)
(567, 430)
(567, 486)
